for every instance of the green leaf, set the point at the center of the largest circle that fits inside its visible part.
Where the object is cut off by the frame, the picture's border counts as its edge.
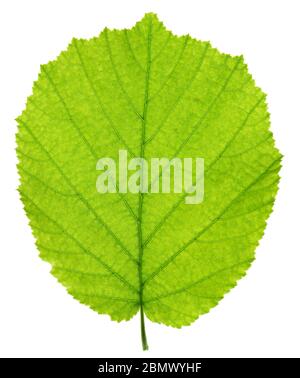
(153, 94)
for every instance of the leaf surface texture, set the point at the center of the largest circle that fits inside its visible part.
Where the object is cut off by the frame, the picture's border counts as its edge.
(153, 94)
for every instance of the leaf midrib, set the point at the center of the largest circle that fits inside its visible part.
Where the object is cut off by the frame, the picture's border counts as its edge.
(142, 154)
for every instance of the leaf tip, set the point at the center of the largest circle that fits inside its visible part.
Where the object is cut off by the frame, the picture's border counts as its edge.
(150, 16)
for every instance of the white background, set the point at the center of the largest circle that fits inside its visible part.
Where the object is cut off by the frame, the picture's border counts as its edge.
(260, 317)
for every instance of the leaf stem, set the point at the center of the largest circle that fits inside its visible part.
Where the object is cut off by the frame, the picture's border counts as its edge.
(143, 329)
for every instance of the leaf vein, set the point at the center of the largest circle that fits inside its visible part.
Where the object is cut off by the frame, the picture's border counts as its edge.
(207, 227)
(82, 198)
(81, 246)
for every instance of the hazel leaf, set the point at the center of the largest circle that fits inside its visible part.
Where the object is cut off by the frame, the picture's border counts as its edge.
(152, 94)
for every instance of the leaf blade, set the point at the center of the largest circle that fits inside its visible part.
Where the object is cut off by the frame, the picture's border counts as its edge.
(154, 94)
